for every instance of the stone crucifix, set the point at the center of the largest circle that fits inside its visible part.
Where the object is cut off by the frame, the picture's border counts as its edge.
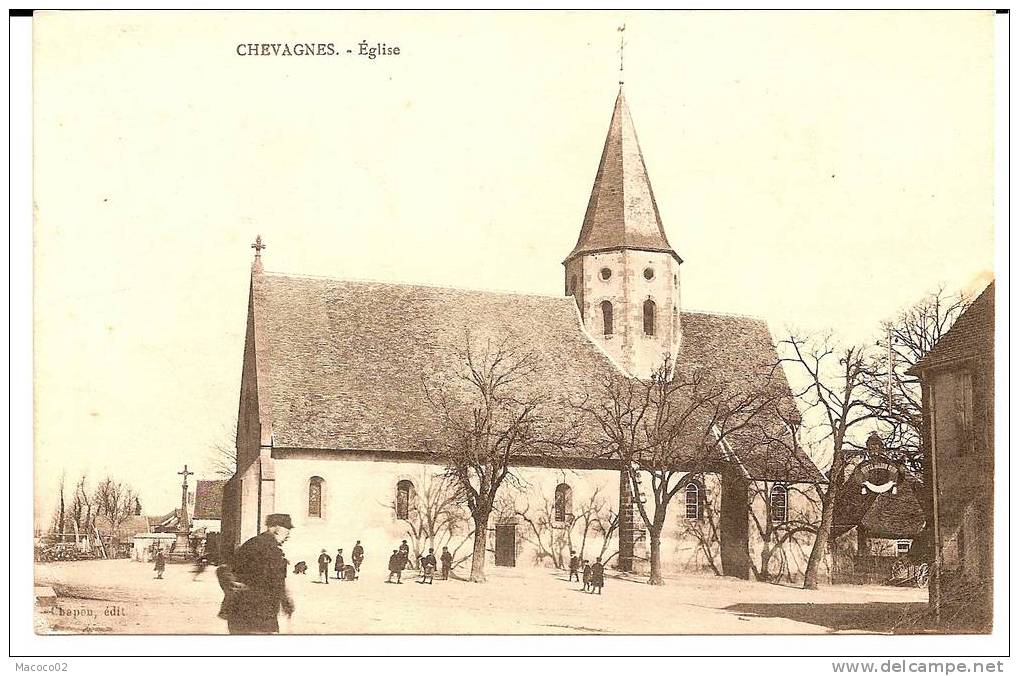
(183, 524)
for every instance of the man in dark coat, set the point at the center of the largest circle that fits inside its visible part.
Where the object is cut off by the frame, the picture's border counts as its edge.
(447, 562)
(597, 575)
(338, 565)
(254, 584)
(357, 556)
(404, 553)
(323, 565)
(574, 567)
(160, 564)
(396, 564)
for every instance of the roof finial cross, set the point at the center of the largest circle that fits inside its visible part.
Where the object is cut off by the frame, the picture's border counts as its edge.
(185, 474)
(622, 44)
(258, 246)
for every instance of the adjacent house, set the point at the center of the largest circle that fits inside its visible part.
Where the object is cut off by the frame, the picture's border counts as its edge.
(957, 378)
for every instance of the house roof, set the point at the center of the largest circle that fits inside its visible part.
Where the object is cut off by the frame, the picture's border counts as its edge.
(341, 363)
(622, 212)
(129, 527)
(881, 515)
(889, 515)
(972, 335)
(209, 499)
(165, 521)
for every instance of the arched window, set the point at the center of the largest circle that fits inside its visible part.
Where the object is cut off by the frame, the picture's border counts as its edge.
(693, 500)
(315, 496)
(563, 506)
(779, 504)
(649, 317)
(404, 491)
(606, 315)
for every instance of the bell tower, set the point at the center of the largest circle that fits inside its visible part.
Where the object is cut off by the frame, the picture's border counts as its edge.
(623, 273)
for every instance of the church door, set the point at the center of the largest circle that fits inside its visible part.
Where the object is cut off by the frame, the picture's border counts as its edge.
(505, 545)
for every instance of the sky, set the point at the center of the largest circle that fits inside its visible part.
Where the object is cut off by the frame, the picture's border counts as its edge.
(820, 170)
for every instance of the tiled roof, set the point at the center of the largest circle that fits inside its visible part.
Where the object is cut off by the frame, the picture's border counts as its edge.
(344, 360)
(740, 350)
(209, 499)
(622, 212)
(890, 515)
(971, 336)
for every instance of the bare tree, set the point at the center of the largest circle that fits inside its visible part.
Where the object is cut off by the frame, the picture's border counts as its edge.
(553, 538)
(778, 535)
(671, 424)
(83, 513)
(490, 412)
(594, 518)
(895, 393)
(548, 537)
(115, 502)
(59, 518)
(835, 392)
(704, 530)
(436, 515)
(222, 454)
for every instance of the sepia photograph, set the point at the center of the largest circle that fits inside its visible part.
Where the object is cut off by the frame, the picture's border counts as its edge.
(515, 323)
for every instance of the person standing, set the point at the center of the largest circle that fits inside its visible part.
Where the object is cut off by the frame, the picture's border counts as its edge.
(338, 564)
(587, 575)
(574, 567)
(404, 550)
(428, 564)
(323, 565)
(160, 564)
(597, 575)
(357, 556)
(447, 562)
(254, 584)
(396, 564)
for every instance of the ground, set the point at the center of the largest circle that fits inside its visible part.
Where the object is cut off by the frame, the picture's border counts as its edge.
(123, 597)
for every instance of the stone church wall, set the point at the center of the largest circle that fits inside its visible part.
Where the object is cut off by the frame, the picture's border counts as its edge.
(359, 501)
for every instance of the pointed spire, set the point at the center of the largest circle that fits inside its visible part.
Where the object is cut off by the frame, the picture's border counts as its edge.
(622, 213)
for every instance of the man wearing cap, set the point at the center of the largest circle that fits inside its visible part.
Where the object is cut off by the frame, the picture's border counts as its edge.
(255, 585)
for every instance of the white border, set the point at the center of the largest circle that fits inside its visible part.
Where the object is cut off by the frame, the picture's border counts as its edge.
(23, 641)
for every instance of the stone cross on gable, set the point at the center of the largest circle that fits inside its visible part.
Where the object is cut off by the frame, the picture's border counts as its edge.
(258, 246)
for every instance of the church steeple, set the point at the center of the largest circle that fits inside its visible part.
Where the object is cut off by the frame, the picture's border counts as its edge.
(622, 212)
(623, 273)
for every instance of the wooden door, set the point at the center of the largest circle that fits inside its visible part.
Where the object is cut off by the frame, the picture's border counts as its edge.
(506, 545)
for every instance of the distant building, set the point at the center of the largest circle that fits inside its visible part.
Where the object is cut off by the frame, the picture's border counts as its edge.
(207, 510)
(878, 515)
(957, 377)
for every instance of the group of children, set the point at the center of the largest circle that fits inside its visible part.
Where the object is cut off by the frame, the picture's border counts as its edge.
(427, 563)
(344, 571)
(593, 573)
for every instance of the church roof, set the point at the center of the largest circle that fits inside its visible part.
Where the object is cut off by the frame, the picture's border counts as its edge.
(343, 361)
(622, 212)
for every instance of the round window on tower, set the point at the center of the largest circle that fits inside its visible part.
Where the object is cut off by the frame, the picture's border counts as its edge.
(649, 273)
(606, 273)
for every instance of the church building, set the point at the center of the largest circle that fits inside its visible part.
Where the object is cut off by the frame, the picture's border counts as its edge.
(333, 420)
